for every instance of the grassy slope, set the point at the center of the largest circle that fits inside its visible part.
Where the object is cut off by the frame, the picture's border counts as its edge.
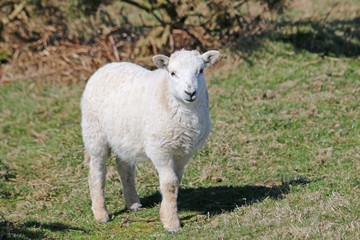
(282, 166)
(277, 167)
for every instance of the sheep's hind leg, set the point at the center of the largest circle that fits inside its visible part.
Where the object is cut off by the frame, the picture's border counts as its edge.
(127, 176)
(97, 185)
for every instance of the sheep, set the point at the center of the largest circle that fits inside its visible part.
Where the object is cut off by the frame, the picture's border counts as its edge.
(160, 115)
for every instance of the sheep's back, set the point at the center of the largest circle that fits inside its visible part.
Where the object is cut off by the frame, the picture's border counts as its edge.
(121, 96)
(111, 78)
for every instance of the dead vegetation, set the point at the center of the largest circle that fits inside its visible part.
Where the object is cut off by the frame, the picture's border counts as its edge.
(66, 41)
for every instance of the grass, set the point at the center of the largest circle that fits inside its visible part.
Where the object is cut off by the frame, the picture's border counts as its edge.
(282, 161)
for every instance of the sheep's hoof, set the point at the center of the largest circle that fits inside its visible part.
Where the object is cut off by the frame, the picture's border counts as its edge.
(172, 230)
(135, 207)
(173, 227)
(102, 218)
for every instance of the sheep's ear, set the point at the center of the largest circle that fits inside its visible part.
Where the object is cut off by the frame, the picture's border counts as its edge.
(161, 61)
(210, 57)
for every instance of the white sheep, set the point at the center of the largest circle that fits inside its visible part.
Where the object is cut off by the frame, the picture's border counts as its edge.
(160, 115)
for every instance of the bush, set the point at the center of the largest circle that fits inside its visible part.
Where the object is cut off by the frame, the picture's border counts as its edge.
(168, 24)
(207, 24)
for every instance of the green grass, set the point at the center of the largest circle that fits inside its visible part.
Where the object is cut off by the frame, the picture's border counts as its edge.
(283, 165)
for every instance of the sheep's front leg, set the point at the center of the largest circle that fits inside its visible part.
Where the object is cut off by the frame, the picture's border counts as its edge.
(179, 165)
(127, 176)
(97, 186)
(169, 187)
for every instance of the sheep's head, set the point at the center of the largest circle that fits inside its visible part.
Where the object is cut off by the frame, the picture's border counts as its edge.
(186, 72)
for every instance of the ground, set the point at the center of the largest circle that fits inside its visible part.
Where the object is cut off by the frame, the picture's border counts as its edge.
(282, 161)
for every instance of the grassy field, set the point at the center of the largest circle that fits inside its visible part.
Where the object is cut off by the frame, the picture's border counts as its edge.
(282, 161)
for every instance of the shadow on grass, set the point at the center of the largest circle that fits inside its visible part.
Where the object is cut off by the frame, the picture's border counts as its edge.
(335, 38)
(5, 174)
(340, 38)
(216, 200)
(32, 229)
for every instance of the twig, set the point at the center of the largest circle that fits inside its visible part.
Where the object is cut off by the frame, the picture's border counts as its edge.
(3, 217)
(311, 62)
(18, 8)
(248, 8)
(14, 224)
(147, 9)
(200, 44)
(116, 53)
(122, 222)
(336, 59)
(328, 14)
(151, 39)
(171, 42)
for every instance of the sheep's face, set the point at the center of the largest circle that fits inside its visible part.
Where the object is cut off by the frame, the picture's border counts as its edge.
(186, 72)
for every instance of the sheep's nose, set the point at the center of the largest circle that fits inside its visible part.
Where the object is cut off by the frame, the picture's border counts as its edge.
(191, 94)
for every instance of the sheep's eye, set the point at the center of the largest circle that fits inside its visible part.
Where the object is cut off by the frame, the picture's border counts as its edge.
(172, 74)
(201, 71)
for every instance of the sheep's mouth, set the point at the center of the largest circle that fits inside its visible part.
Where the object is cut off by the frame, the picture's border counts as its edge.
(190, 100)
